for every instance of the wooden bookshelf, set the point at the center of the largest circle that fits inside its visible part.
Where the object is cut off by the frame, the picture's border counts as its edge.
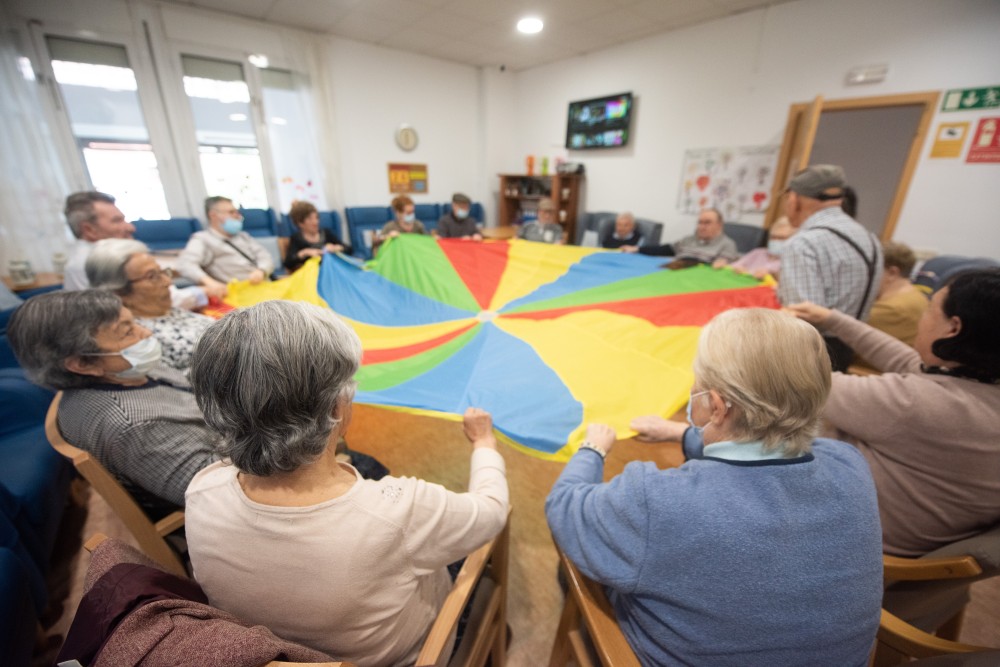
(520, 194)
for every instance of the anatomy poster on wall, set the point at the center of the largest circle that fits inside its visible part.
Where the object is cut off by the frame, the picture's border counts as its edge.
(737, 181)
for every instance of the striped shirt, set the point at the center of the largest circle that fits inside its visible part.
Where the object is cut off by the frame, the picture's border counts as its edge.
(820, 266)
(152, 437)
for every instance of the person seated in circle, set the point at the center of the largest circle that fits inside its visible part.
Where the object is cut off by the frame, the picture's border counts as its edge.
(137, 417)
(282, 535)
(900, 305)
(456, 223)
(763, 548)
(765, 261)
(545, 229)
(928, 424)
(309, 239)
(127, 268)
(406, 219)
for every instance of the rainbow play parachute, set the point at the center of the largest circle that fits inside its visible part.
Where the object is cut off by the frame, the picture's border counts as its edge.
(547, 338)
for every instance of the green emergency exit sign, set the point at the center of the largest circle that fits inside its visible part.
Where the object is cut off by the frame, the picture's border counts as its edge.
(971, 98)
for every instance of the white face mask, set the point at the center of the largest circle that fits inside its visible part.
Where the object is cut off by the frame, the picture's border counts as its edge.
(142, 356)
(690, 418)
(776, 246)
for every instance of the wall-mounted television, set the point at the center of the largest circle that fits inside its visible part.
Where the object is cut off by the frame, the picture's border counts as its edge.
(602, 122)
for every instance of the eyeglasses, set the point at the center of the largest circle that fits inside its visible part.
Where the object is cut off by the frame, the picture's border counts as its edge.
(153, 275)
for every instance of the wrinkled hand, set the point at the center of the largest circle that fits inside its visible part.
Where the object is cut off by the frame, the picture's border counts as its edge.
(478, 426)
(719, 263)
(333, 247)
(213, 288)
(477, 237)
(760, 274)
(601, 436)
(629, 248)
(810, 312)
(653, 428)
(256, 277)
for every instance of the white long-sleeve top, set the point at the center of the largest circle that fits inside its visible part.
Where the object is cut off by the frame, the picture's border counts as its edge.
(360, 577)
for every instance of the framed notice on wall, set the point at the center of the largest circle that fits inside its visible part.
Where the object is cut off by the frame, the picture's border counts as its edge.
(407, 178)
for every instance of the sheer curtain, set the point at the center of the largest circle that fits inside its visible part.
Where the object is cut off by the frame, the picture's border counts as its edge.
(33, 181)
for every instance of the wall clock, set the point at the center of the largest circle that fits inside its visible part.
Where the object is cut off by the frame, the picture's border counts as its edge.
(406, 137)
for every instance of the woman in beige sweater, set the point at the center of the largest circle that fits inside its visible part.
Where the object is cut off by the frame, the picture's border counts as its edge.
(283, 535)
(929, 426)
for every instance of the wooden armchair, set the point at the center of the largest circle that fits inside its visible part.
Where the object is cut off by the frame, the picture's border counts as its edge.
(150, 536)
(483, 573)
(931, 592)
(897, 642)
(588, 631)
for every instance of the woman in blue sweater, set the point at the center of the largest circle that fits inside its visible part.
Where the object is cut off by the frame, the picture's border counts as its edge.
(764, 548)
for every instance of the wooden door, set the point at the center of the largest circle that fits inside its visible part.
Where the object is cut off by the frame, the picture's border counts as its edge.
(877, 139)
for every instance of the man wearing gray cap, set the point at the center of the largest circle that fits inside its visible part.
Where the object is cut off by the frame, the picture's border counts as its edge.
(832, 260)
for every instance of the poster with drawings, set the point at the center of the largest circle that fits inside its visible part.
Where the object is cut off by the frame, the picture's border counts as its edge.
(737, 181)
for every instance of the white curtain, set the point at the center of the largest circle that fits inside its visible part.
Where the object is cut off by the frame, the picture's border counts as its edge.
(33, 181)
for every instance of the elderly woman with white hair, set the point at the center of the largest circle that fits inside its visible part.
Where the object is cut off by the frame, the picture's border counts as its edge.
(127, 268)
(281, 534)
(132, 413)
(764, 546)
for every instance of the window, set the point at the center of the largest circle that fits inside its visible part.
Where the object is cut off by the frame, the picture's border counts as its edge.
(297, 165)
(227, 143)
(99, 90)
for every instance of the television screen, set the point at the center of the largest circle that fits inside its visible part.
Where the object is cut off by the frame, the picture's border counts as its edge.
(599, 123)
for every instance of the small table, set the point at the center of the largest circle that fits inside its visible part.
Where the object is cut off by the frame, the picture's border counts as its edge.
(41, 280)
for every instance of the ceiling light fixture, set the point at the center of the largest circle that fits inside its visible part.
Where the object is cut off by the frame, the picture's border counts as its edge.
(530, 25)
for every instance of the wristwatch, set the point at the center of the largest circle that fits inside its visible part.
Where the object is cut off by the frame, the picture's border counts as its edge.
(589, 445)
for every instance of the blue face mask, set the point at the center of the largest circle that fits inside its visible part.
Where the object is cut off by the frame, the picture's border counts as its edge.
(409, 217)
(232, 226)
(776, 246)
(461, 213)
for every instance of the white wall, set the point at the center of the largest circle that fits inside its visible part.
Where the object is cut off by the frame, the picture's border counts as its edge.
(374, 90)
(730, 82)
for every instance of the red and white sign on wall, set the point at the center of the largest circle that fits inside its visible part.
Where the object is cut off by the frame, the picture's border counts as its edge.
(986, 142)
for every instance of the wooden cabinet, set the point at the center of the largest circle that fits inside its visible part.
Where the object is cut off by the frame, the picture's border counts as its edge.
(520, 195)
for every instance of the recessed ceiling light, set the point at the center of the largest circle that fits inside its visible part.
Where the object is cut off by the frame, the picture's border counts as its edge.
(530, 25)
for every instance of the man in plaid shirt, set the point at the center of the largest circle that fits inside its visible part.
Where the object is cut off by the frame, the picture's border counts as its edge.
(832, 261)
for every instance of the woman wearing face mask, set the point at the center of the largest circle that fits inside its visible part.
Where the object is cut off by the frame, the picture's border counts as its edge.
(764, 546)
(930, 424)
(406, 219)
(128, 269)
(137, 417)
(761, 262)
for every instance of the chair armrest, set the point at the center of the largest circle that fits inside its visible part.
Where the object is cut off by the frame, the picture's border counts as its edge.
(170, 523)
(598, 616)
(908, 640)
(94, 542)
(468, 577)
(925, 569)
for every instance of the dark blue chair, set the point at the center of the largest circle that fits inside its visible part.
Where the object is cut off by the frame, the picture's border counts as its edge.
(429, 214)
(7, 358)
(34, 478)
(363, 222)
(935, 271)
(259, 221)
(747, 237)
(18, 610)
(169, 234)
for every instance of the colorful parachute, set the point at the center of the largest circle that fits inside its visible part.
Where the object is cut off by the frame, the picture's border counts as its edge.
(547, 338)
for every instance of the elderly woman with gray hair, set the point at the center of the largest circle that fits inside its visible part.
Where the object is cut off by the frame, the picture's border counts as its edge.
(134, 415)
(764, 547)
(127, 268)
(281, 534)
